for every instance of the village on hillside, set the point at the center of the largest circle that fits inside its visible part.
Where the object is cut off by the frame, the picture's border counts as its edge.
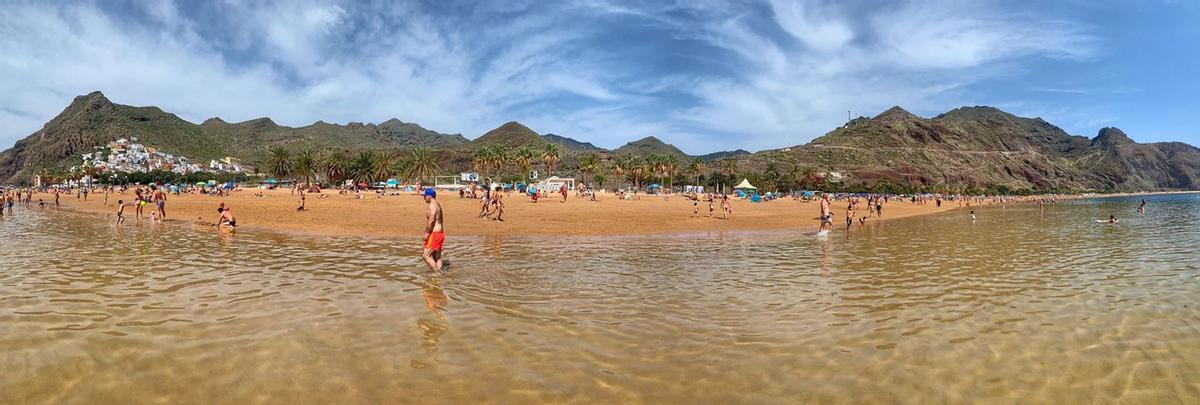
(128, 156)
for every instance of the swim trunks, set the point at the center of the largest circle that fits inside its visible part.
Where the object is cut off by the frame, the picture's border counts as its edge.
(435, 241)
(828, 219)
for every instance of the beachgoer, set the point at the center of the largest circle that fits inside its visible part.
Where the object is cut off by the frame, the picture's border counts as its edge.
(1142, 207)
(120, 211)
(695, 208)
(1112, 219)
(226, 218)
(160, 202)
(435, 235)
(725, 207)
(826, 214)
(498, 204)
(972, 216)
(563, 190)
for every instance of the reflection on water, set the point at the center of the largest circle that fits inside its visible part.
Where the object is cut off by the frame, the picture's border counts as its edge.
(1026, 303)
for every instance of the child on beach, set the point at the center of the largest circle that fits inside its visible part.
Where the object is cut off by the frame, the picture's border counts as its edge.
(725, 207)
(120, 211)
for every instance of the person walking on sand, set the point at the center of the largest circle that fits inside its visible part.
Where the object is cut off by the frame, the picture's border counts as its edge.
(435, 234)
(725, 207)
(563, 190)
(826, 214)
(498, 204)
(56, 197)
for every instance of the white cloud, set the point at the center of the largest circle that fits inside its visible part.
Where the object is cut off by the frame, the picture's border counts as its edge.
(771, 74)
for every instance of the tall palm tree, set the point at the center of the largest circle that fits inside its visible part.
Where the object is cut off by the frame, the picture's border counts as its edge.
(619, 166)
(481, 160)
(600, 179)
(636, 168)
(279, 162)
(334, 165)
(421, 163)
(361, 167)
(551, 154)
(524, 161)
(306, 165)
(499, 157)
(695, 167)
(381, 167)
(729, 166)
(588, 165)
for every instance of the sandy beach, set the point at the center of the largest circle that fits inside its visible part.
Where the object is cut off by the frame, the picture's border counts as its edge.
(403, 215)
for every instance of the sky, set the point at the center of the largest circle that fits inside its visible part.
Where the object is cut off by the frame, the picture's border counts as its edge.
(703, 75)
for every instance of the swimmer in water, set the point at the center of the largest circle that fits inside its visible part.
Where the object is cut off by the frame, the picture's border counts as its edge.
(972, 216)
(1112, 219)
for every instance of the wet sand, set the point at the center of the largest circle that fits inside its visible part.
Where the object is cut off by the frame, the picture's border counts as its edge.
(404, 215)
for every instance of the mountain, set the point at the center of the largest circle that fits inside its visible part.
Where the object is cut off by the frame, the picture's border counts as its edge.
(728, 154)
(649, 145)
(977, 146)
(572, 145)
(986, 147)
(91, 120)
(510, 135)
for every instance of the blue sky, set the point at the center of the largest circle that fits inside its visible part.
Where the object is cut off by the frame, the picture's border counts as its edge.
(704, 75)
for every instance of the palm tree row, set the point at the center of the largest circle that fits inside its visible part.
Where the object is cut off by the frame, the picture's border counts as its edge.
(336, 166)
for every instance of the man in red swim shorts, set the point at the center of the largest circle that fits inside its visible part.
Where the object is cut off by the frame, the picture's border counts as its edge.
(435, 236)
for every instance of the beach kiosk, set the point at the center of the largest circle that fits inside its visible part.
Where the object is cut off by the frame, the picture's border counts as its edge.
(745, 187)
(554, 183)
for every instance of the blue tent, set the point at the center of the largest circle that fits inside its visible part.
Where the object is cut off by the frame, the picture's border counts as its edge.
(229, 185)
(272, 181)
(756, 198)
(393, 183)
(654, 186)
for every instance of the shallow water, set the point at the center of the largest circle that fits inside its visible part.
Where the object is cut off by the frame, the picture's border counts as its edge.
(1024, 305)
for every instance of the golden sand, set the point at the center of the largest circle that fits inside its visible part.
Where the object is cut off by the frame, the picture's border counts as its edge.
(403, 215)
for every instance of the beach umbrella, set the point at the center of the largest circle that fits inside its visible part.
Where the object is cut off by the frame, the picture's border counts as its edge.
(756, 198)
(362, 184)
(212, 182)
(272, 181)
(392, 183)
(745, 184)
(199, 184)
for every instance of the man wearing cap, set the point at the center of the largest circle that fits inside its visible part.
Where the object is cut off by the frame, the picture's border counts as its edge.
(434, 235)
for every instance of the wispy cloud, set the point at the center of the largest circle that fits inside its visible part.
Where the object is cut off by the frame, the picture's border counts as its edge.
(706, 75)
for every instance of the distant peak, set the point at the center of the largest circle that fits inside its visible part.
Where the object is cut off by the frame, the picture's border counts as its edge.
(648, 139)
(1111, 136)
(213, 121)
(975, 112)
(514, 125)
(391, 123)
(895, 114)
(93, 99)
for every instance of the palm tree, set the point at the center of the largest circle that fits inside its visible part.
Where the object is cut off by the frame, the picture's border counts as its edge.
(695, 167)
(600, 179)
(524, 160)
(636, 168)
(588, 164)
(421, 163)
(481, 160)
(499, 157)
(551, 155)
(305, 165)
(381, 167)
(361, 167)
(730, 168)
(279, 162)
(619, 166)
(334, 165)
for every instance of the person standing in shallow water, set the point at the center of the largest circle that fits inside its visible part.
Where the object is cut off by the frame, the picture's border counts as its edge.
(435, 235)
(826, 214)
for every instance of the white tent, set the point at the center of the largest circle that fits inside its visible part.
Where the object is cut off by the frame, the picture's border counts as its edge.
(746, 185)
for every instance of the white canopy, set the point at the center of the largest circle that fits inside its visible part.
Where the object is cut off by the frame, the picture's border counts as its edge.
(746, 184)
